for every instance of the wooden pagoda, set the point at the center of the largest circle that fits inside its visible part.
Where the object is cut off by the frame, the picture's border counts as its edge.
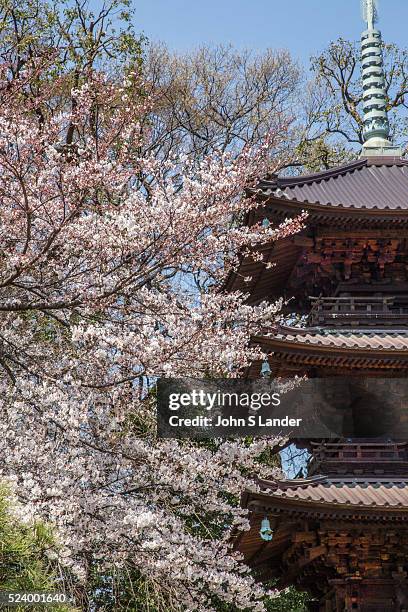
(341, 532)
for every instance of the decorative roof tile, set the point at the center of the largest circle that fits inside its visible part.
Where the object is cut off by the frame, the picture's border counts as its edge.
(377, 183)
(355, 339)
(366, 492)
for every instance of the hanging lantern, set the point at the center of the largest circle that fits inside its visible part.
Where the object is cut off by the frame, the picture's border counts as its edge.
(266, 223)
(266, 369)
(266, 532)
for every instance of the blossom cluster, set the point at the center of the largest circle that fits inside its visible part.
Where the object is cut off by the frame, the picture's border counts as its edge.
(107, 281)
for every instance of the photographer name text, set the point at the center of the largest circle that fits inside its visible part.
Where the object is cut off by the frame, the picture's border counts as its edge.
(251, 420)
(253, 402)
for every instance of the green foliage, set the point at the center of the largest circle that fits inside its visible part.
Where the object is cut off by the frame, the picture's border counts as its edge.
(69, 36)
(319, 154)
(24, 565)
(128, 590)
(290, 600)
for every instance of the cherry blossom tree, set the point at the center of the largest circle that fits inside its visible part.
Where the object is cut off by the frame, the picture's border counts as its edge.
(104, 287)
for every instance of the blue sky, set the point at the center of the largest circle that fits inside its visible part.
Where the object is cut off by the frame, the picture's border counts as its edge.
(303, 26)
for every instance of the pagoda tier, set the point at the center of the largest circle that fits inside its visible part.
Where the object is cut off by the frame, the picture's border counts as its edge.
(355, 241)
(343, 538)
(341, 533)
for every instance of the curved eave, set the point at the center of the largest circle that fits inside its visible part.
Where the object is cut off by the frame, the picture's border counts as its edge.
(274, 205)
(278, 345)
(264, 502)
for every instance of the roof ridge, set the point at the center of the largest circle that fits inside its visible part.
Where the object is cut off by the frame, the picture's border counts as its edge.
(281, 181)
(340, 330)
(374, 184)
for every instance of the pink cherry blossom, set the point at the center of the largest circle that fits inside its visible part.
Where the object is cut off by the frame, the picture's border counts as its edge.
(104, 286)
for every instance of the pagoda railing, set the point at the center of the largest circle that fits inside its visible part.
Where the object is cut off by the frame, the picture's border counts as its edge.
(356, 457)
(352, 311)
(361, 452)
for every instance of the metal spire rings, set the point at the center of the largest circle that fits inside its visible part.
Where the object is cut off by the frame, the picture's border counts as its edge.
(376, 125)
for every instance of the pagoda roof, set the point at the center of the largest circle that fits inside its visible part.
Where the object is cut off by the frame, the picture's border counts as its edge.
(358, 339)
(324, 491)
(358, 349)
(378, 184)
